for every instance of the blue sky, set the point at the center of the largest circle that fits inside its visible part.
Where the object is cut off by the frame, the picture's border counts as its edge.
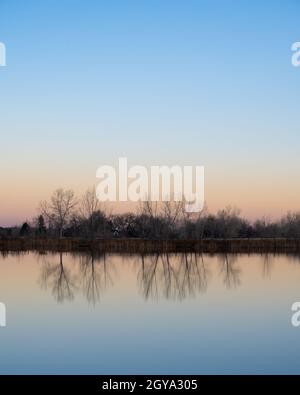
(160, 82)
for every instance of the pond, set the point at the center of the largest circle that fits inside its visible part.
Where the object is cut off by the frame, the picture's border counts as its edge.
(159, 314)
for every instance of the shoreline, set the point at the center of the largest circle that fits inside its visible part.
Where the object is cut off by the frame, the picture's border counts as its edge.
(150, 246)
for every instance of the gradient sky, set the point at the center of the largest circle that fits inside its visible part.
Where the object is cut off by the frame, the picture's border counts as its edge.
(160, 82)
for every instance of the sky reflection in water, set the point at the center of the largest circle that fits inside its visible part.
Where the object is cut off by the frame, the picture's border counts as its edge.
(176, 314)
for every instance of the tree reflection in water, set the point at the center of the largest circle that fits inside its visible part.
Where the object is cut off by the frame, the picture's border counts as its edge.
(169, 276)
(59, 278)
(229, 271)
(173, 276)
(267, 265)
(96, 276)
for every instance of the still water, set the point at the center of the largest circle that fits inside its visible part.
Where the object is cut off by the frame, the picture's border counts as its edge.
(163, 314)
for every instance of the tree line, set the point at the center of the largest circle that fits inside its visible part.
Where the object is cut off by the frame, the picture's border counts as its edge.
(64, 215)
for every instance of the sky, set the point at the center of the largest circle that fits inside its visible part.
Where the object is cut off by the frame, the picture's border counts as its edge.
(169, 82)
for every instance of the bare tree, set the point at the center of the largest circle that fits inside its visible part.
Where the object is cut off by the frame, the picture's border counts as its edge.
(148, 208)
(60, 208)
(149, 211)
(89, 206)
(89, 203)
(172, 211)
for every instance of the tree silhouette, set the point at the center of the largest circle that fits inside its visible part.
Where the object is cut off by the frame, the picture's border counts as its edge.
(25, 229)
(60, 209)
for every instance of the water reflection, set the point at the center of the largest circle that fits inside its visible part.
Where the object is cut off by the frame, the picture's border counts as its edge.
(163, 276)
(173, 277)
(227, 313)
(267, 265)
(229, 270)
(60, 279)
(97, 276)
